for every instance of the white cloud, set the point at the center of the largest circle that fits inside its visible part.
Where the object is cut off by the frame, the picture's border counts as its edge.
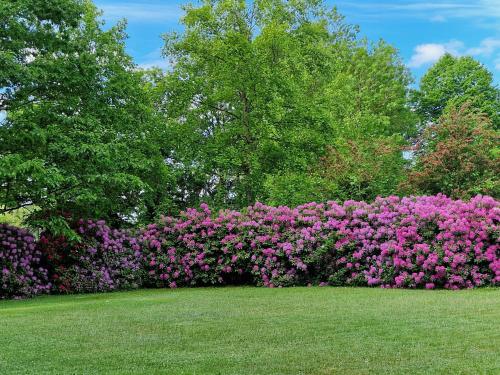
(485, 48)
(144, 11)
(485, 13)
(457, 8)
(497, 63)
(153, 55)
(478, 8)
(426, 53)
(411, 5)
(431, 52)
(454, 46)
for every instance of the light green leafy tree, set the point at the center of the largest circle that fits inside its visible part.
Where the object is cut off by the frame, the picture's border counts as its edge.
(453, 81)
(260, 91)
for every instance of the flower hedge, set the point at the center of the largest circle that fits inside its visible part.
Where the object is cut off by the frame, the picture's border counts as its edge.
(413, 242)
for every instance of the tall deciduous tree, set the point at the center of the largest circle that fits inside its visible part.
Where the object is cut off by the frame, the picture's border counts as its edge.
(453, 81)
(459, 156)
(77, 139)
(260, 90)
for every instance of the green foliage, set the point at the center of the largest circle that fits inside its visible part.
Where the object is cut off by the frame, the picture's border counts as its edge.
(266, 100)
(80, 137)
(362, 169)
(453, 81)
(296, 188)
(359, 169)
(259, 91)
(16, 218)
(459, 156)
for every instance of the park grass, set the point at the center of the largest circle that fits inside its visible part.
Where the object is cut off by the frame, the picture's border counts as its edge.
(254, 331)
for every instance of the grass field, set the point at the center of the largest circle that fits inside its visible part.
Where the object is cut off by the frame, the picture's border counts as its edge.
(254, 331)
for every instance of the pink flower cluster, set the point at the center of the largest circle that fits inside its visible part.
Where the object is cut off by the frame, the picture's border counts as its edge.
(413, 242)
(420, 242)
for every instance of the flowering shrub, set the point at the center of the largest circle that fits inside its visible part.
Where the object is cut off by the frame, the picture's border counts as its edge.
(419, 242)
(265, 245)
(413, 242)
(105, 259)
(21, 269)
(410, 242)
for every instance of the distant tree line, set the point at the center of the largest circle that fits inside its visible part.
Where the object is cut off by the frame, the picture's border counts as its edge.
(270, 100)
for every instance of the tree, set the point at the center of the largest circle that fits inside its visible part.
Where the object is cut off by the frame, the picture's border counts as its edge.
(259, 91)
(77, 139)
(362, 169)
(453, 81)
(458, 156)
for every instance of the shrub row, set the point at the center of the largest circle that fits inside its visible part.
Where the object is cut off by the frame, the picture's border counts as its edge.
(413, 242)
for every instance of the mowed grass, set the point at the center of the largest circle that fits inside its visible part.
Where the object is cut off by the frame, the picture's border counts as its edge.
(254, 331)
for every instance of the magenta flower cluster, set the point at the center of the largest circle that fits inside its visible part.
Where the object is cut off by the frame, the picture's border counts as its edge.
(21, 270)
(412, 242)
(419, 242)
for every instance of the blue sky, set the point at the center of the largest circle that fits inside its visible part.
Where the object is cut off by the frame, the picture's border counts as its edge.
(421, 30)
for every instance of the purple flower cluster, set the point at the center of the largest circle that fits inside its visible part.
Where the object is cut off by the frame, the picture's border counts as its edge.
(105, 259)
(21, 269)
(410, 242)
(264, 246)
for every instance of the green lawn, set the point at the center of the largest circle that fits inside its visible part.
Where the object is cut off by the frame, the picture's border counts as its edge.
(254, 331)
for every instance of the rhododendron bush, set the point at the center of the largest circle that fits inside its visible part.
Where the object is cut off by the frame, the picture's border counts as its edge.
(104, 260)
(21, 270)
(410, 242)
(413, 242)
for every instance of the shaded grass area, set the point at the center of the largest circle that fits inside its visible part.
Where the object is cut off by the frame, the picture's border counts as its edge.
(254, 331)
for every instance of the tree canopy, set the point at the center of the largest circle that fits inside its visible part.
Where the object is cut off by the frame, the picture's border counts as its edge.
(78, 139)
(265, 100)
(459, 156)
(259, 91)
(453, 81)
